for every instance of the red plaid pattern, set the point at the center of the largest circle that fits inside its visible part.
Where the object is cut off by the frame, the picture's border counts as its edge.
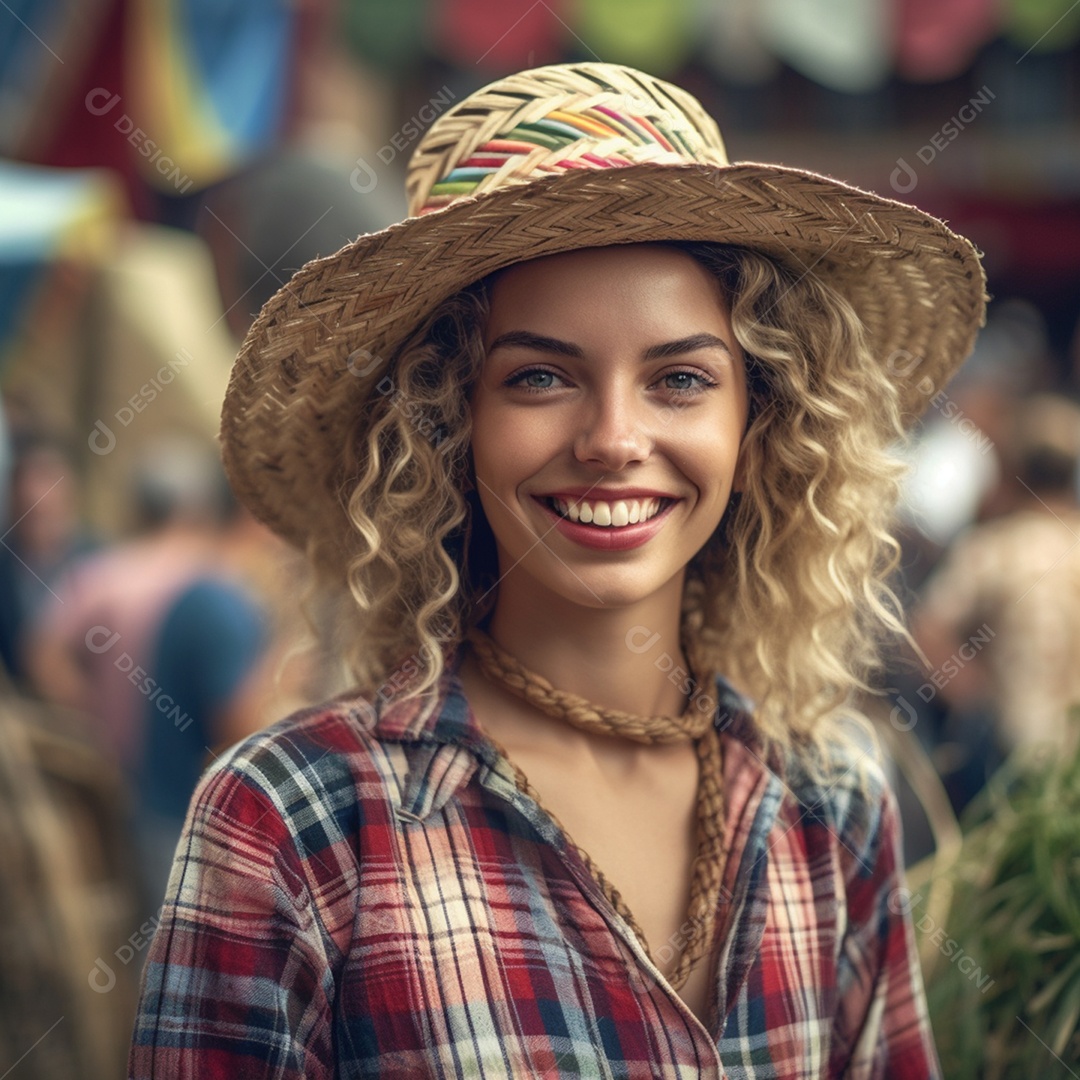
(363, 891)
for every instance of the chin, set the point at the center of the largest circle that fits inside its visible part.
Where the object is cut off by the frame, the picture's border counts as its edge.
(607, 590)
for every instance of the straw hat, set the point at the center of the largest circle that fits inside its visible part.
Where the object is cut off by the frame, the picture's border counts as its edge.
(546, 161)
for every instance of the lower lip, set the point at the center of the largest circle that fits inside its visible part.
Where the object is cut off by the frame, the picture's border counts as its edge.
(610, 537)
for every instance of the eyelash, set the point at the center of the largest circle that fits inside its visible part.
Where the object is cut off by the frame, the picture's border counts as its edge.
(704, 381)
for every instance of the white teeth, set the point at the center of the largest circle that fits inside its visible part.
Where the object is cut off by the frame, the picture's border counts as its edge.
(609, 515)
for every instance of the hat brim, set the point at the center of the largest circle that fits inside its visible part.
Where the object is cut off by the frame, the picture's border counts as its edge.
(320, 345)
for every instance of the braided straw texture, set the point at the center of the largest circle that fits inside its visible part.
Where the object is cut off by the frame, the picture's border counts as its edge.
(585, 116)
(506, 670)
(319, 348)
(711, 850)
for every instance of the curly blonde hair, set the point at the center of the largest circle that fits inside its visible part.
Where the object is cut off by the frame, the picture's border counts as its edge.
(790, 596)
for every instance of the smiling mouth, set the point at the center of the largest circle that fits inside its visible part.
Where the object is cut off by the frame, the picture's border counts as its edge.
(608, 515)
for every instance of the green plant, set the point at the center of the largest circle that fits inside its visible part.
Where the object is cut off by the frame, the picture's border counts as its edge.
(1015, 909)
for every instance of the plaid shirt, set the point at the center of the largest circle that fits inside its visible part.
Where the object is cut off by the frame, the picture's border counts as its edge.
(363, 891)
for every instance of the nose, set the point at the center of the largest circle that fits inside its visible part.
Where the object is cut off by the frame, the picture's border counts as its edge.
(613, 431)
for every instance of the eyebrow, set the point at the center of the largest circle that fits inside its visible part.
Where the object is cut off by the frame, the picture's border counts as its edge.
(542, 343)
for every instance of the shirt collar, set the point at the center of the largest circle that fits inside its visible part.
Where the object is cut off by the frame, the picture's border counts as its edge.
(445, 746)
(442, 714)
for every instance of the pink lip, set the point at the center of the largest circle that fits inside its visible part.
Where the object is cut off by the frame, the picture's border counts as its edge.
(602, 494)
(621, 538)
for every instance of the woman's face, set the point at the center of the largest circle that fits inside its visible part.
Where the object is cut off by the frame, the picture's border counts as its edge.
(607, 420)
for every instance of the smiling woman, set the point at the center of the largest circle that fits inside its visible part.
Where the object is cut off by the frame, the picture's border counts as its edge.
(599, 803)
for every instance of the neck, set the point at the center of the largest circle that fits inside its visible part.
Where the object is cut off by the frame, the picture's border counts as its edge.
(627, 658)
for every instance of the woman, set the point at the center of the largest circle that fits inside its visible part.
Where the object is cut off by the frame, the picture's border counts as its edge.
(594, 437)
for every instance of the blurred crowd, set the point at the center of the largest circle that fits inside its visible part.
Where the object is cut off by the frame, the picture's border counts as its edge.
(148, 210)
(990, 566)
(147, 622)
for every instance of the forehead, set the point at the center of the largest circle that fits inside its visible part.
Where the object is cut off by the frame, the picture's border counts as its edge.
(621, 260)
(644, 288)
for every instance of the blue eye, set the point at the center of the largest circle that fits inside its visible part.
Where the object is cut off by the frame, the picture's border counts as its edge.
(680, 383)
(687, 382)
(533, 379)
(679, 380)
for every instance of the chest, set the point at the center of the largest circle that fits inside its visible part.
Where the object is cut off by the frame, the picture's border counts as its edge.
(640, 834)
(477, 947)
(479, 951)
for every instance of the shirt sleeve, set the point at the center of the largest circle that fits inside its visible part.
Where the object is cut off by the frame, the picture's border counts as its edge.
(237, 984)
(883, 1026)
(209, 642)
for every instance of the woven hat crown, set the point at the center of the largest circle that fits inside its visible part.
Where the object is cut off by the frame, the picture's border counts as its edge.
(551, 120)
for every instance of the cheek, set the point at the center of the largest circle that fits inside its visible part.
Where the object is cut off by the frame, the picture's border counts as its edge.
(483, 423)
(706, 455)
(510, 445)
(499, 466)
(491, 447)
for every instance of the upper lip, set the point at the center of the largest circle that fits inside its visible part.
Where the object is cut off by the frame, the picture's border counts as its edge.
(602, 494)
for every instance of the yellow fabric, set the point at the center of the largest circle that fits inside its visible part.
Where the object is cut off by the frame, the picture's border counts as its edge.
(168, 106)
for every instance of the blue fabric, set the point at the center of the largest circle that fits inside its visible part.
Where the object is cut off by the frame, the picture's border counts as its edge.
(238, 52)
(209, 641)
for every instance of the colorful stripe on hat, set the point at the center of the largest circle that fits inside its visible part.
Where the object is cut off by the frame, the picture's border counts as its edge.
(555, 131)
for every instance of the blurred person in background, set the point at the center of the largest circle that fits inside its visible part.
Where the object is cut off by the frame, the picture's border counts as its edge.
(164, 639)
(279, 213)
(209, 671)
(67, 890)
(959, 476)
(956, 476)
(999, 620)
(42, 537)
(94, 640)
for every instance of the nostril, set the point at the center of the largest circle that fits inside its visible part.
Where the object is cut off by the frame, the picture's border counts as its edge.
(614, 449)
